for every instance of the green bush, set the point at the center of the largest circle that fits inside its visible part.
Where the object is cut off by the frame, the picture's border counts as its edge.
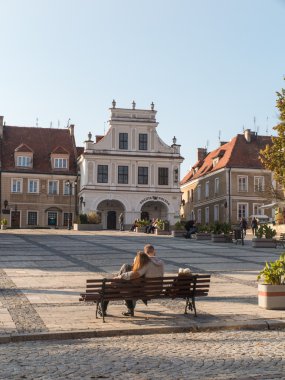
(83, 219)
(274, 272)
(4, 222)
(265, 231)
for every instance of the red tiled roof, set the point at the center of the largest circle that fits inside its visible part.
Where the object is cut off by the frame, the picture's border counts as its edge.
(42, 141)
(23, 148)
(237, 153)
(80, 150)
(59, 150)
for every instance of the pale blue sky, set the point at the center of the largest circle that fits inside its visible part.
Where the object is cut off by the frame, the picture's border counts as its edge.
(208, 65)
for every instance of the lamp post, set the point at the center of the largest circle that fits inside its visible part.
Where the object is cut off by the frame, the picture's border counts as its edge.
(69, 184)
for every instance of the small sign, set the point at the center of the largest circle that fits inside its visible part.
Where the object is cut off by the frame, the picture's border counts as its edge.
(5, 211)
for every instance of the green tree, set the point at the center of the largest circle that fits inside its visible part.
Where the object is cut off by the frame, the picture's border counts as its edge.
(273, 156)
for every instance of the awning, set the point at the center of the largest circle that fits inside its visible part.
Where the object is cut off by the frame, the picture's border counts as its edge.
(270, 205)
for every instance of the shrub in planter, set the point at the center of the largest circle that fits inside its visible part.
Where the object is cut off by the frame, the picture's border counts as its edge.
(265, 231)
(4, 223)
(264, 237)
(271, 293)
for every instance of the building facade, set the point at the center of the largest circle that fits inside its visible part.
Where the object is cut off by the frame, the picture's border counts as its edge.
(130, 170)
(38, 176)
(228, 183)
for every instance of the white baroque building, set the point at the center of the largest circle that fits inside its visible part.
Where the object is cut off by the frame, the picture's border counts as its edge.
(130, 170)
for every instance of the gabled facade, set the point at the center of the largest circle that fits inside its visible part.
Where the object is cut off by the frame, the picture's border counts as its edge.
(228, 183)
(38, 176)
(130, 170)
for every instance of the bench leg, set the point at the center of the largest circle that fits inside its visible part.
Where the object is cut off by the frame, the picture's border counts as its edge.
(97, 305)
(194, 306)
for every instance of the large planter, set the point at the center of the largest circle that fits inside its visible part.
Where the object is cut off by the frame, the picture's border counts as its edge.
(87, 227)
(271, 297)
(263, 243)
(3, 226)
(178, 233)
(218, 238)
(161, 232)
(203, 236)
(140, 229)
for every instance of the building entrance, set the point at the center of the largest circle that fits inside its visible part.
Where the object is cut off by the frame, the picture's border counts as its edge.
(111, 220)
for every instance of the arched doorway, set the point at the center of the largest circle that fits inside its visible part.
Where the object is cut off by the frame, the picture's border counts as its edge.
(110, 210)
(154, 210)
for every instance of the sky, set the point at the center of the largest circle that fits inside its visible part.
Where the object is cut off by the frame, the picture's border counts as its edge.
(211, 67)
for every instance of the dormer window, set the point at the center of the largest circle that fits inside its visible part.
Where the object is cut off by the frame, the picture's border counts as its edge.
(60, 163)
(24, 161)
(60, 159)
(23, 156)
(215, 161)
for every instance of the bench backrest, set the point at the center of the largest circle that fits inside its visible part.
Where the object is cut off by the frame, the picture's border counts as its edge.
(148, 288)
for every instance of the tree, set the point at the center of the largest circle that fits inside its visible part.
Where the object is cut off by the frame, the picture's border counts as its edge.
(273, 156)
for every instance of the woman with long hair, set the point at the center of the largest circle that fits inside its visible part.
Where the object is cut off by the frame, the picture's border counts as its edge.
(126, 272)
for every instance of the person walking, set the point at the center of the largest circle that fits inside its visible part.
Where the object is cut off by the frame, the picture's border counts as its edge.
(243, 225)
(254, 226)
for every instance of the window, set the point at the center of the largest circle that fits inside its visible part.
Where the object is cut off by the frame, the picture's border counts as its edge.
(142, 175)
(123, 141)
(199, 216)
(32, 218)
(257, 210)
(192, 195)
(163, 176)
(142, 141)
(217, 186)
(207, 215)
(60, 163)
(123, 174)
(216, 213)
(258, 183)
(207, 189)
(242, 210)
(16, 185)
(33, 186)
(25, 161)
(242, 183)
(199, 192)
(102, 173)
(69, 188)
(53, 187)
(66, 217)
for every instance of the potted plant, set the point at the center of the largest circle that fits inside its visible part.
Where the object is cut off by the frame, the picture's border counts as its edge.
(203, 232)
(4, 223)
(161, 227)
(141, 225)
(264, 237)
(88, 222)
(178, 229)
(220, 232)
(271, 292)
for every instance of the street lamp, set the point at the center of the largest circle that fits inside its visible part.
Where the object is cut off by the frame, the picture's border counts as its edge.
(68, 183)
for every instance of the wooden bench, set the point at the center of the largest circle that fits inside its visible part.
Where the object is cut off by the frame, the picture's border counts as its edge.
(146, 289)
(280, 240)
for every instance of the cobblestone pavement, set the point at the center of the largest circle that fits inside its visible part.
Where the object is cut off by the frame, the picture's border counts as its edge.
(43, 272)
(243, 355)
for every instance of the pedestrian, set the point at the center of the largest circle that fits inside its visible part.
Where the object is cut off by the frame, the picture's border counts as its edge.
(121, 221)
(243, 225)
(254, 226)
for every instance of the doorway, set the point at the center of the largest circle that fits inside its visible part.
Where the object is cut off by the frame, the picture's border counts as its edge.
(15, 219)
(111, 220)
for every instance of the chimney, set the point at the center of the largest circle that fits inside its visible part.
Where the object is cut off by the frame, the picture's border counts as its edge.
(71, 129)
(201, 153)
(223, 143)
(1, 126)
(247, 135)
